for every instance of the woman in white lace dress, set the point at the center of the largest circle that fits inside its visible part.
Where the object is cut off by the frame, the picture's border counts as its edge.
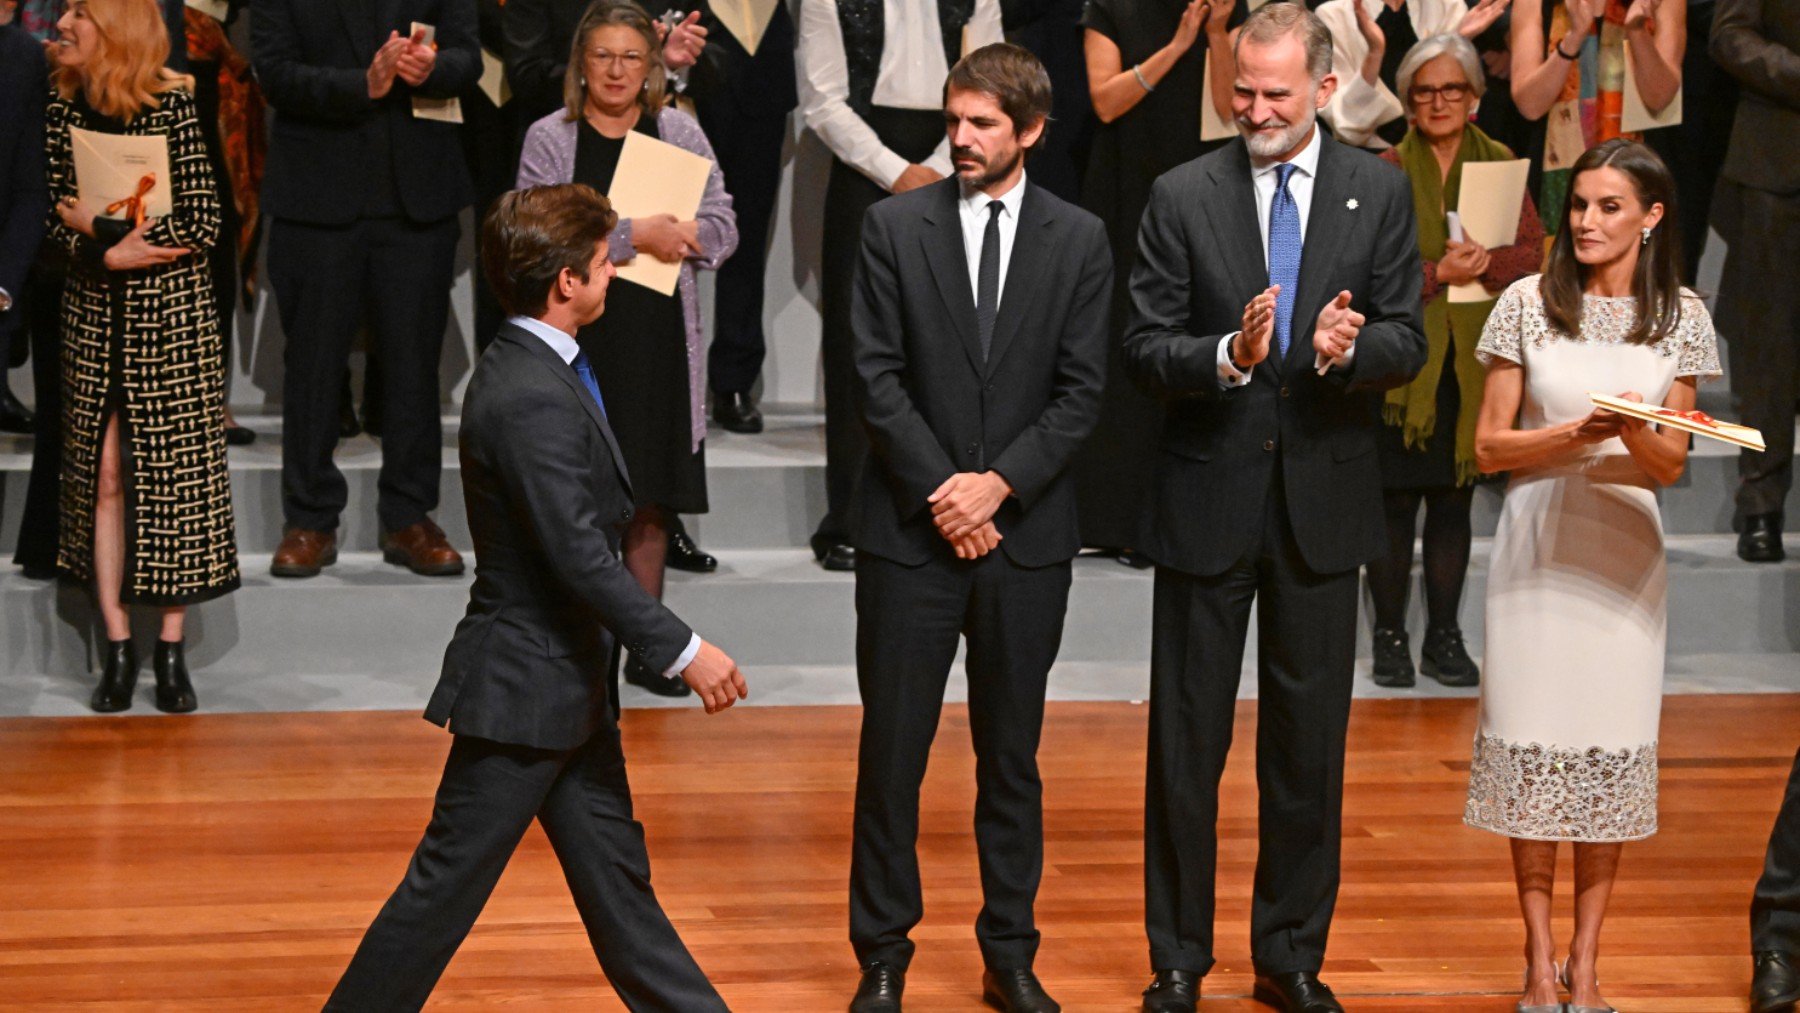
(1566, 746)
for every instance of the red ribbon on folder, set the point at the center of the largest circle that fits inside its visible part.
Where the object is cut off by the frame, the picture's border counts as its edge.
(133, 206)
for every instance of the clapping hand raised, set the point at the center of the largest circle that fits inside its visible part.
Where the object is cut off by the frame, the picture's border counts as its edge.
(1251, 345)
(1338, 326)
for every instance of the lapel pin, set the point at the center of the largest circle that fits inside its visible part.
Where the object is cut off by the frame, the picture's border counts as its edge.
(1351, 204)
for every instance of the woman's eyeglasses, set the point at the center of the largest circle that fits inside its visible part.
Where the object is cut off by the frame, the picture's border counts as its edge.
(1424, 94)
(631, 59)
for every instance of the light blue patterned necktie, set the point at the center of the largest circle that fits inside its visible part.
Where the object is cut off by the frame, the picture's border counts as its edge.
(1284, 254)
(585, 370)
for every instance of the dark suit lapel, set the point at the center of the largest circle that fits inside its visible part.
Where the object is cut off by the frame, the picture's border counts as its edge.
(1030, 254)
(388, 18)
(566, 373)
(1239, 235)
(1328, 224)
(949, 262)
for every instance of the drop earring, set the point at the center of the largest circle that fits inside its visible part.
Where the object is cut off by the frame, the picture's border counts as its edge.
(1645, 241)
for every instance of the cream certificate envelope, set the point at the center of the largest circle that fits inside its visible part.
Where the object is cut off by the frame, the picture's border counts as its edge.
(218, 10)
(1697, 422)
(747, 20)
(116, 173)
(444, 110)
(1212, 126)
(1636, 116)
(1488, 208)
(1563, 140)
(656, 178)
(493, 79)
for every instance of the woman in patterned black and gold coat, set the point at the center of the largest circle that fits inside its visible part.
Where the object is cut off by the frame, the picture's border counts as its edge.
(146, 499)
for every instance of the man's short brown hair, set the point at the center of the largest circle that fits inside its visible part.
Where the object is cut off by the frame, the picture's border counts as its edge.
(530, 236)
(1010, 75)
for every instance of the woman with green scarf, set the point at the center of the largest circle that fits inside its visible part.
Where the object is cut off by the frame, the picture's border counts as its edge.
(1428, 453)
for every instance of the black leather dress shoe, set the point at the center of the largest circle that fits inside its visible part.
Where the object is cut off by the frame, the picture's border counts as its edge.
(1776, 986)
(1296, 992)
(174, 690)
(879, 991)
(1172, 992)
(118, 678)
(640, 675)
(14, 416)
(737, 413)
(686, 556)
(1760, 541)
(839, 557)
(239, 436)
(1016, 991)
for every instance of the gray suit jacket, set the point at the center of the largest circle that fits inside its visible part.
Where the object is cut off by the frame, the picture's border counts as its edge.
(547, 497)
(1758, 42)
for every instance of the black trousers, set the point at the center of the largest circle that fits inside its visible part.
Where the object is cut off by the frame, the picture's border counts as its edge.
(908, 623)
(326, 280)
(39, 528)
(749, 153)
(1306, 644)
(488, 796)
(1759, 314)
(912, 134)
(1775, 910)
(1695, 148)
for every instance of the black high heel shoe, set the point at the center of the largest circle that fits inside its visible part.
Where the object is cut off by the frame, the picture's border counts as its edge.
(174, 692)
(117, 679)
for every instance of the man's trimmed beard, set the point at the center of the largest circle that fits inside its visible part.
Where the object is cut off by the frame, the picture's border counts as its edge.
(1263, 144)
(990, 174)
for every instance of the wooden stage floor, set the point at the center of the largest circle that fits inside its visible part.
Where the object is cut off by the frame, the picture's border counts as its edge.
(232, 862)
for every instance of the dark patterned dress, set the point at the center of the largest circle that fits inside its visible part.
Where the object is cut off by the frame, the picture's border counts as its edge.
(145, 346)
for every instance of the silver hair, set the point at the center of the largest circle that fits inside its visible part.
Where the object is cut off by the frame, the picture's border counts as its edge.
(1427, 50)
(1274, 21)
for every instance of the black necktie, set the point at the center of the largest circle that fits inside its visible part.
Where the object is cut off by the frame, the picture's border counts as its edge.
(987, 288)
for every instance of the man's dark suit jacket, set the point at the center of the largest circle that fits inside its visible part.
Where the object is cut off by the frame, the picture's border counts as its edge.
(1200, 261)
(539, 34)
(24, 199)
(933, 407)
(547, 497)
(312, 59)
(736, 82)
(1758, 42)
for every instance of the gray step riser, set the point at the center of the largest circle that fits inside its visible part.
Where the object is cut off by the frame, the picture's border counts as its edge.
(778, 506)
(397, 624)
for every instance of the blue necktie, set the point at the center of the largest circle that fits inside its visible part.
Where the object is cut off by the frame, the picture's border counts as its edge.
(585, 370)
(1284, 254)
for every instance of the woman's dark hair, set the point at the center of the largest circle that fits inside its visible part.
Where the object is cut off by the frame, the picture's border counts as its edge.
(532, 235)
(1656, 283)
(1013, 78)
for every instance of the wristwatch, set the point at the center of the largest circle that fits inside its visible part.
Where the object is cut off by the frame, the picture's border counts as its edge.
(6, 300)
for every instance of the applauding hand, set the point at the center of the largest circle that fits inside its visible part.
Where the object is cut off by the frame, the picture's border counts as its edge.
(1337, 328)
(1251, 345)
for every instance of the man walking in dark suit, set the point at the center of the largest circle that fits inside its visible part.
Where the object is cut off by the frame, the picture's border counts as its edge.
(1276, 293)
(1758, 43)
(363, 195)
(979, 322)
(521, 688)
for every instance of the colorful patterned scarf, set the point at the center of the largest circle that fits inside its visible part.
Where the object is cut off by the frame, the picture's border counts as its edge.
(1588, 110)
(240, 129)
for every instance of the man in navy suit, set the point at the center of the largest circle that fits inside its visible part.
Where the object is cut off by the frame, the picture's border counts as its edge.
(522, 688)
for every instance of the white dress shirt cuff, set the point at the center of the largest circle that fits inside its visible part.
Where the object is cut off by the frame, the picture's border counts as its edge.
(1341, 362)
(885, 167)
(685, 659)
(1229, 375)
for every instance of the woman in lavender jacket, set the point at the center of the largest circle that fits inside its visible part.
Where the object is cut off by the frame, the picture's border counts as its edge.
(645, 352)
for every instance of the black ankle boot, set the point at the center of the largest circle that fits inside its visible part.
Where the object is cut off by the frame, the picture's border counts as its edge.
(174, 693)
(1393, 658)
(117, 679)
(1444, 658)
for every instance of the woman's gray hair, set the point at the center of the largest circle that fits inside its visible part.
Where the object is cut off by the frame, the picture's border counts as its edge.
(1427, 50)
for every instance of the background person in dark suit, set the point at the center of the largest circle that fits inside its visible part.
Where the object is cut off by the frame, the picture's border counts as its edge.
(1775, 911)
(521, 689)
(1758, 42)
(24, 201)
(1268, 491)
(364, 197)
(979, 318)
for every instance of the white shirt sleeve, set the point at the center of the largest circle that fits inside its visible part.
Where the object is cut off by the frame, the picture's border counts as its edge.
(824, 80)
(1357, 108)
(1320, 365)
(685, 658)
(1229, 375)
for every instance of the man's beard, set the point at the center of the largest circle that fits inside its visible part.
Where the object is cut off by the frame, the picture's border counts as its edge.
(990, 174)
(1264, 144)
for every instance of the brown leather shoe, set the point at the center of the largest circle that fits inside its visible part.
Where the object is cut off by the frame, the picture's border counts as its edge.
(303, 553)
(423, 549)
